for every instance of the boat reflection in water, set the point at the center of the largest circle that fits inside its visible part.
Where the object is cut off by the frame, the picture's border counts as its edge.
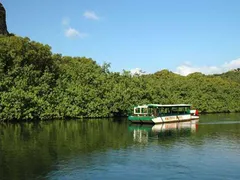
(142, 132)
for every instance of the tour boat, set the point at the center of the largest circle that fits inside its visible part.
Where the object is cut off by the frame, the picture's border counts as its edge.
(158, 113)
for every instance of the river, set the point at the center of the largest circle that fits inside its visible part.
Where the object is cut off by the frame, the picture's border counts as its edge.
(116, 149)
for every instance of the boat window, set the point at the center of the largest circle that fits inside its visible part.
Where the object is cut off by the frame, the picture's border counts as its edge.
(156, 111)
(137, 110)
(140, 111)
(144, 110)
(165, 110)
(181, 110)
(175, 110)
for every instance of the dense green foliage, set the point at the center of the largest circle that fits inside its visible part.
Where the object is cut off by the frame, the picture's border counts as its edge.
(233, 75)
(37, 84)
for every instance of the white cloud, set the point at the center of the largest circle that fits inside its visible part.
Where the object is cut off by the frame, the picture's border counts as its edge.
(232, 65)
(65, 21)
(91, 15)
(73, 33)
(187, 68)
(137, 71)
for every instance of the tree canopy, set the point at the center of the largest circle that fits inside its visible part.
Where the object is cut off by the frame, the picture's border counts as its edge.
(37, 84)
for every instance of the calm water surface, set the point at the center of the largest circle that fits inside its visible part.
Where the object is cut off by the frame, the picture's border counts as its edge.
(115, 149)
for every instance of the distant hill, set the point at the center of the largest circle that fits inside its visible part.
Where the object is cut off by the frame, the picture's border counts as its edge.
(233, 75)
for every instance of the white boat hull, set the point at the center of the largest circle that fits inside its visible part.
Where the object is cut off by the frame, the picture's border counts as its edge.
(178, 118)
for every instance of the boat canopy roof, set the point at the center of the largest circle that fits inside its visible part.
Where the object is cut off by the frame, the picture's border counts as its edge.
(163, 105)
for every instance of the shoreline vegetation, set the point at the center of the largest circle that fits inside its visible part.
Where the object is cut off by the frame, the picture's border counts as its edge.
(37, 84)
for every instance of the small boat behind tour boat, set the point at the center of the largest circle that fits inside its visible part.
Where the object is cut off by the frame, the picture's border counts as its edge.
(158, 113)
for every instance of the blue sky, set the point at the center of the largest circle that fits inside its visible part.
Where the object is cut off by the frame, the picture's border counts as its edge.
(183, 36)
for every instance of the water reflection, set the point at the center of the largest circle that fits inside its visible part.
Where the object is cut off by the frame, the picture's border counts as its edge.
(110, 149)
(30, 150)
(143, 132)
